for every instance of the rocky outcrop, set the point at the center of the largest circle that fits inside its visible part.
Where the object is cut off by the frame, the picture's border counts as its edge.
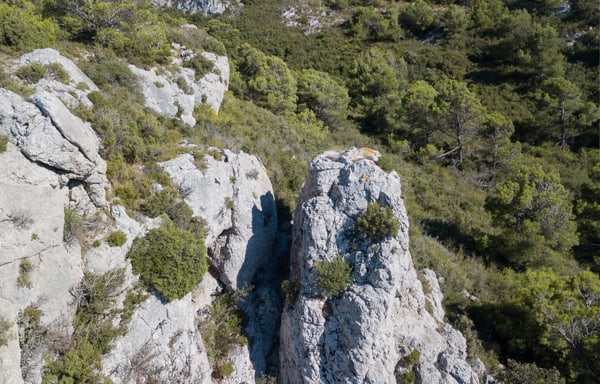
(233, 193)
(235, 197)
(72, 91)
(366, 334)
(207, 7)
(176, 94)
(48, 134)
(32, 205)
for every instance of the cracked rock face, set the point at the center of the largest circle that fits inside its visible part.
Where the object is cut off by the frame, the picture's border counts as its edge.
(31, 231)
(48, 134)
(362, 335)
(235, 197)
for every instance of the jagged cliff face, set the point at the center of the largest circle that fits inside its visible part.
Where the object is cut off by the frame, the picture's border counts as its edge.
(362, 336)
(365, 334)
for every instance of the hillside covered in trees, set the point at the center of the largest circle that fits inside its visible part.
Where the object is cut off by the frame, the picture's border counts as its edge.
(487, 109)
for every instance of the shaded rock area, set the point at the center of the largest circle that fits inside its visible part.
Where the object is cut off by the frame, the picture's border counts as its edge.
(365, 334)
(233, 193)
(235, 197)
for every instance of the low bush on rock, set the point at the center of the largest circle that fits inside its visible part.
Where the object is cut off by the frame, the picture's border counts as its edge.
(117, 238)
(333, 277)
(170, 260)
(4, 331)
(221, 331)
(378, 222)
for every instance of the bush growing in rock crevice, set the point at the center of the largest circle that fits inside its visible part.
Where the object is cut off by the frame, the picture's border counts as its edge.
(333, 277)
(378, 222)
(117, 239)
(221, 331)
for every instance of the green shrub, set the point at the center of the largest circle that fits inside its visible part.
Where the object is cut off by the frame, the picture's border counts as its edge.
(378, 222)
(333, 277)
(96, 243)
(73, 226)
(222, 331)
(3, 143)
(31, 73)
(226, 369)
(201, 66)
(409, 377)
(412, 358)
(117, 239)
(24, 280)
(57, 72)
(5, 326)
(526, 373)
(290, 291)
(159, 203)
(95, 298)
(170, 260)
(21, 27)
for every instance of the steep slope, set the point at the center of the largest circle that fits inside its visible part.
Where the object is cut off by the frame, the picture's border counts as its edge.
(369, 333)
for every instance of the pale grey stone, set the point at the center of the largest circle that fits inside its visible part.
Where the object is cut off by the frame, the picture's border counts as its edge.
(362, 335)
(165, 96)
(48, 134)
(235, 197)
(74, 90)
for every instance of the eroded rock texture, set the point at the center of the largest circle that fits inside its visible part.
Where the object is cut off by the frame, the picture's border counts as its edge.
(364, 334)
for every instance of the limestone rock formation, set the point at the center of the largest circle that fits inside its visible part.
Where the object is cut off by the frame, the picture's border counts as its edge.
(48, 134)
(233, 193)
(207, 7)
(162, 340)
(72, 91)
(177, 94)
(366, 334)
(235, 197)
(37, 268)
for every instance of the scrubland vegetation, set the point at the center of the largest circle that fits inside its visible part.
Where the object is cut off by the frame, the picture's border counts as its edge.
(487, 109)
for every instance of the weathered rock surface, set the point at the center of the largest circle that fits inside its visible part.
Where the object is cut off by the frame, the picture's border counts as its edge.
(31, 231)
(362, 335)
(71, 92)
(177, 94)
(163, 342)
(207, 7)
(48, 134)
(235, 197)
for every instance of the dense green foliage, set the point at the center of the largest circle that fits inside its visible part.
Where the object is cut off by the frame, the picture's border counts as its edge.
(377, 222)
(170, 260)
(117, 238)
(333, 276)
(488, 110)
